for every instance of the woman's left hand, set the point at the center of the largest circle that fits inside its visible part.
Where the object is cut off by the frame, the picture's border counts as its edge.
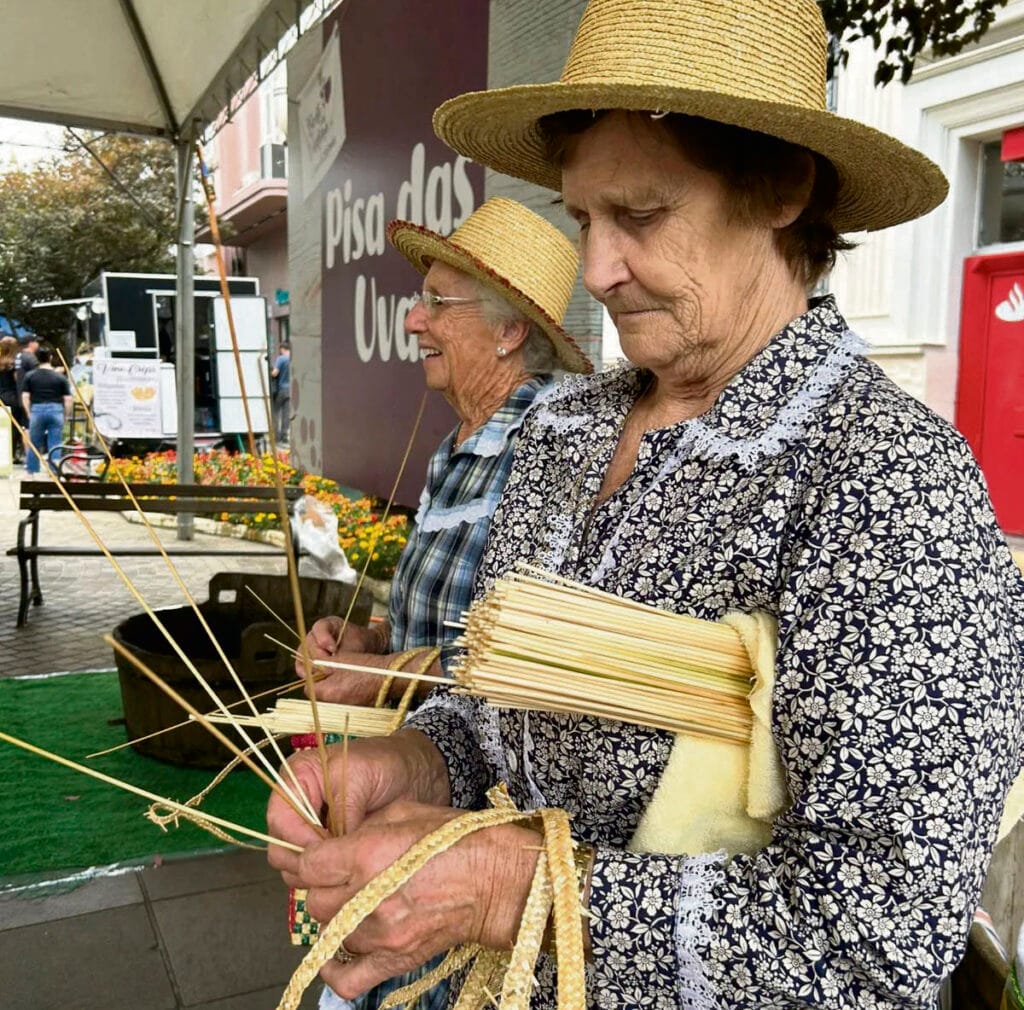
(473, 893)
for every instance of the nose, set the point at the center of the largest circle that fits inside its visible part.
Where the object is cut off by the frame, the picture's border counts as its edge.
(604, 262)
(416, 319)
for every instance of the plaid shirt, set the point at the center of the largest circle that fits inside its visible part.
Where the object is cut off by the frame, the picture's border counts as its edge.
(434, 579)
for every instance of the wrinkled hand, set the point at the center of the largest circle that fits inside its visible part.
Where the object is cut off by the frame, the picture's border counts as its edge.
(473, 893)
(404, 766)
(359, 646)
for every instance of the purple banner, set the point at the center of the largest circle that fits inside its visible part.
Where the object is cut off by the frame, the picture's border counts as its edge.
(399, 61)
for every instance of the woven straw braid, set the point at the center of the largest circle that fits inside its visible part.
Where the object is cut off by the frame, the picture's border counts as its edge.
(512, 250)
(758, 64)
(454, 961)
(554, 881)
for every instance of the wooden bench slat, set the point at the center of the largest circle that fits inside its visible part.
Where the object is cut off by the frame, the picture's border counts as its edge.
(40, 496)
(195, 505)
(142, 552)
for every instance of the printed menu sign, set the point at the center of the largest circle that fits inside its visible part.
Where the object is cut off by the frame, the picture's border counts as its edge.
(126, 398)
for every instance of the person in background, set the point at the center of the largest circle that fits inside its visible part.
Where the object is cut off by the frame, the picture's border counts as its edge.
(489, 325)
(47, 400)
(9, 391)
(282, 376)
(25, 362)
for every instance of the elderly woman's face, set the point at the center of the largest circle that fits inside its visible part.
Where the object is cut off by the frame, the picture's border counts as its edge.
(659, 247)
(458, 346)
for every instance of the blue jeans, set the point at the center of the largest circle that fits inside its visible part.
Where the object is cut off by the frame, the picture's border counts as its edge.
(45, 429)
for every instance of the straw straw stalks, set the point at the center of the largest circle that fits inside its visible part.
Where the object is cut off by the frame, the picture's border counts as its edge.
(542, 642)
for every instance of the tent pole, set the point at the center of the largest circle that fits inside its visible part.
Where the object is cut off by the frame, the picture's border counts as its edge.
(185, 342)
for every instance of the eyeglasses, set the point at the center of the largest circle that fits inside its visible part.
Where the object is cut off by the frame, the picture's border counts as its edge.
(434, 303)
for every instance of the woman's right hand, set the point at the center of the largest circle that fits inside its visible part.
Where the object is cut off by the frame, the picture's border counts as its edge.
(359, 646)
(405, 766)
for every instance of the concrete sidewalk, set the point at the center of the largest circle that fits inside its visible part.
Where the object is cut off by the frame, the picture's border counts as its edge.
(207, 933)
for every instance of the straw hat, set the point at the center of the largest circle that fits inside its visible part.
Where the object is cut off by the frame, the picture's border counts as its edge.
(758, 64)
(526, 260)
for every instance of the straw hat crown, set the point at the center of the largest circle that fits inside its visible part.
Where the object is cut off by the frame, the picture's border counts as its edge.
(514, 251)
(757, 64)
(724, 46)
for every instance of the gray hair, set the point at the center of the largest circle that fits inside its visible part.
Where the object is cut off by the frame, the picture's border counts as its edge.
(539, 356)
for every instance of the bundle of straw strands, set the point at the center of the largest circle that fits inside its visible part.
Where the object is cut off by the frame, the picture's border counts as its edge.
(538, 641)
(293, 716)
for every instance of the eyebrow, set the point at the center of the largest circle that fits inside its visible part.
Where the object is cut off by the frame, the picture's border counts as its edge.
(649, 197)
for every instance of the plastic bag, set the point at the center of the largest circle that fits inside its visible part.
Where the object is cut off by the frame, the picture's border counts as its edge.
(315, 528)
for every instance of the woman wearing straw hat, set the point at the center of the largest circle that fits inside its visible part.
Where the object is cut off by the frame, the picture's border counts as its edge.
(489, 325)
(750, 458)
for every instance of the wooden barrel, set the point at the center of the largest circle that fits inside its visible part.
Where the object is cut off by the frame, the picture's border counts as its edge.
(240, 625)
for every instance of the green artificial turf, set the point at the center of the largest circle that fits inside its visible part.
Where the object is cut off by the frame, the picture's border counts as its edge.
(54, 819)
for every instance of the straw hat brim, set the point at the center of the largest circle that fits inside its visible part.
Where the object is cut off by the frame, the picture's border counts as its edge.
(882, 182)
(421, 247)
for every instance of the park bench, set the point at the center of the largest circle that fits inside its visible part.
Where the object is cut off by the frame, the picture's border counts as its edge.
(98, 496)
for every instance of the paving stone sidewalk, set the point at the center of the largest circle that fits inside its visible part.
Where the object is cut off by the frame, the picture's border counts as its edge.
(84, 598)
(204, 933)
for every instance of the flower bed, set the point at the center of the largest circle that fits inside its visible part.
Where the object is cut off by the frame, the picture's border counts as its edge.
(360, 530)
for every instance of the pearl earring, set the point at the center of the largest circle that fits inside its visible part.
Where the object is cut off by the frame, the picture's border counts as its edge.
(502, 352)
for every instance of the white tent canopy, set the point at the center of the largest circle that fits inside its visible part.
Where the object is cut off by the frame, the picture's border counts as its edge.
(163, 68)
(158, 67)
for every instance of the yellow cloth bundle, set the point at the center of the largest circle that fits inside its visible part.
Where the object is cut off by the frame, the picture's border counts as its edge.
(717, 795)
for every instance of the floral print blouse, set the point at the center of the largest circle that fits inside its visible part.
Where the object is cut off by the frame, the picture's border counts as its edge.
(816, 490)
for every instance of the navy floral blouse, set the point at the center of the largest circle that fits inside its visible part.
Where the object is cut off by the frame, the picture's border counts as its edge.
(816, 490)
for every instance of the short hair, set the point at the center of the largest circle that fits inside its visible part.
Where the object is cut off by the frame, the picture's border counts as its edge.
(539, 356)
(44, 355)
(760, 173)
(284, 346)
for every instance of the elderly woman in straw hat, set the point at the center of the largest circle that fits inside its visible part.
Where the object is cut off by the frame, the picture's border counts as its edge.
(750, 458)
(489, 325)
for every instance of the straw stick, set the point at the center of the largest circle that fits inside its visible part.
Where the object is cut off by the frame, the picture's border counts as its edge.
(383, 519)
(270, 610)
(333, 664)
(145, 794)
(300, 618)
(280, 689)
(207, 725)
(344, 778)
(299, 794)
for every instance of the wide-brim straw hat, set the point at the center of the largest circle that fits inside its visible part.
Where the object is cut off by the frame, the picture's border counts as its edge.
(515, 252)
(757, 64)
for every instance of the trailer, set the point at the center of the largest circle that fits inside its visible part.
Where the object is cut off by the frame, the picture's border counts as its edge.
(133, 370)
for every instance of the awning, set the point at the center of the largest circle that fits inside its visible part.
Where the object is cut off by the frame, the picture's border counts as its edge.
(159, 67)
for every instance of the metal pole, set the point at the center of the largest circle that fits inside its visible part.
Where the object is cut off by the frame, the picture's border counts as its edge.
(185, 328)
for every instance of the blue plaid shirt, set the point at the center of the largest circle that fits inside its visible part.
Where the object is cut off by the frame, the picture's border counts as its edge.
(434, 579)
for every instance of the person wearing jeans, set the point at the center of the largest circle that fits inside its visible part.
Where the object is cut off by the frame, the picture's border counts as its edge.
(47, 400)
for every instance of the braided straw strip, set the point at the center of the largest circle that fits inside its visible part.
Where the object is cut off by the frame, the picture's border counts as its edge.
(566, 910)
(558, 885)
(484, 978)
(518, 983)
(161, 820)
(453, 962)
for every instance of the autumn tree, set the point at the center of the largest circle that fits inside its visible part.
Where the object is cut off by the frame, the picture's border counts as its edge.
(108, 207)
(901, 31)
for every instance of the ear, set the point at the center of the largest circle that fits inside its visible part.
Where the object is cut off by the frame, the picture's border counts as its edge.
(794, 197)
(512, 336)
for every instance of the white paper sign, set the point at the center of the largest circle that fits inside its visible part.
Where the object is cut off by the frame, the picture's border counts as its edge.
(321, 117)
(126, 397)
